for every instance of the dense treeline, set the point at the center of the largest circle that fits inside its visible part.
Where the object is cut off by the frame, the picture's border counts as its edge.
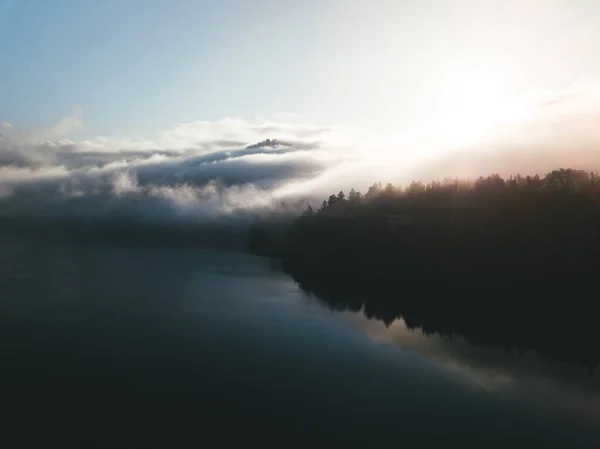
(508, 262)
(492, 233)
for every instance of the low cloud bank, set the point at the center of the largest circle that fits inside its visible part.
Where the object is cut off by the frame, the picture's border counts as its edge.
(208, 173)
(227, 171)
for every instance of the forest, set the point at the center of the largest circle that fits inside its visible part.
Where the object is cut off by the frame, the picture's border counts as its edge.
(499, 261)
(525, 232)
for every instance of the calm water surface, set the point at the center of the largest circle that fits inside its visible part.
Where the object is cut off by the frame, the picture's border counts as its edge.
(166, 347)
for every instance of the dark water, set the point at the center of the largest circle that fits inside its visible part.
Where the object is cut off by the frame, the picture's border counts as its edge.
(124, 347)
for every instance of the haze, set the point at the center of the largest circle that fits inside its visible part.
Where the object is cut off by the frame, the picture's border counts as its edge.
(105, 100)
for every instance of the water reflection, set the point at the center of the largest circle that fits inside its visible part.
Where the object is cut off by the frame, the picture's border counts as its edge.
(540, 358)
(523, 377)
(241, 343)
(522, 322)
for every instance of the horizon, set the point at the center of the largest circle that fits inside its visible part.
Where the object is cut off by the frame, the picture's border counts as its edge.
(300, 222)
(172, 100)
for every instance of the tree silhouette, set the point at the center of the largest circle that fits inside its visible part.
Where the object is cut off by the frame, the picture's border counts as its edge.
(524, 246)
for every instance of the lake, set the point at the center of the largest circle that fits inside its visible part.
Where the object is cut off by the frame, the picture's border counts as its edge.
(128, 347)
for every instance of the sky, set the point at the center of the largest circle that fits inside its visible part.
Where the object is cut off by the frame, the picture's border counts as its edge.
(150, 95)
(136, 66)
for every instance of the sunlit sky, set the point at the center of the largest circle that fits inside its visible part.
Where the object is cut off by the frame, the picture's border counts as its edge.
(130, 67)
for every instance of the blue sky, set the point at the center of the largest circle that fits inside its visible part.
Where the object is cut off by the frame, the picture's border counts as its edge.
(145, 107)
(137, 66)
(145, 64)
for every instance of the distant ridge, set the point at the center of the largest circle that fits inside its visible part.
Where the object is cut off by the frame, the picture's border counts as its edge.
(268, 143)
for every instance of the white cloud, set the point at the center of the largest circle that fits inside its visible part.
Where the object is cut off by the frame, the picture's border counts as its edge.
(6, 125)
(64, 127)
(124, 182)
(203, 169)
(54, 133)
(13, 174)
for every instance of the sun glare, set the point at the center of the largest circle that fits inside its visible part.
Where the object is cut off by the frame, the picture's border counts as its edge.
(469, 105)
